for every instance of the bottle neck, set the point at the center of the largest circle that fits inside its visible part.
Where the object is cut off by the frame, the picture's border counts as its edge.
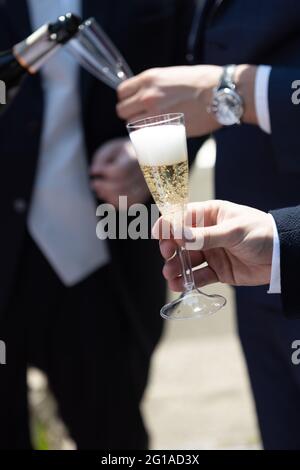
(29, 55)
(35, 51)
(32, 53)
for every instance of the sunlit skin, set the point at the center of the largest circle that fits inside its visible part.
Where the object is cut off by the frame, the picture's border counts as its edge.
(237, 245)
(184, 89)
(115, 172)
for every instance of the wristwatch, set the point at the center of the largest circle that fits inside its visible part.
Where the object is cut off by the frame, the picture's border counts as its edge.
(227, 105)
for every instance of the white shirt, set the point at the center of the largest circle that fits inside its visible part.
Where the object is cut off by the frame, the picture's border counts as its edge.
(263, 116)
(62, 217)
(275, 282)
(262, 97)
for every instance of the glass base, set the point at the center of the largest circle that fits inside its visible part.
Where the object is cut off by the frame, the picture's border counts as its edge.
(192, 304)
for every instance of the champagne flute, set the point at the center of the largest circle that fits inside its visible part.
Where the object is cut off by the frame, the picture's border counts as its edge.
(161, 147)
(94, 50)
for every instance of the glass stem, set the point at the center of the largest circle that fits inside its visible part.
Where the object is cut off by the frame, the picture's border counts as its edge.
(187, 273)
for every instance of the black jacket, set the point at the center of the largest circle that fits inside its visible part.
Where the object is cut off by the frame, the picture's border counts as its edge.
(288, 226)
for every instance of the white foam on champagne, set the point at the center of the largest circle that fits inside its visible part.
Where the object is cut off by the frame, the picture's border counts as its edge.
(160, 145)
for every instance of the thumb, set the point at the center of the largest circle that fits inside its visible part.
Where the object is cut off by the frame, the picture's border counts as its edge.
(128, 88)
(207, 238)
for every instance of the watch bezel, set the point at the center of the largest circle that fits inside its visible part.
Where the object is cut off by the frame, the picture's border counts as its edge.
(238, 111)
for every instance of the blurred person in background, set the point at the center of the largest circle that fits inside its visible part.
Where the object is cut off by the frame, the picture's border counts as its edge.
(255, 122)
(84, 311)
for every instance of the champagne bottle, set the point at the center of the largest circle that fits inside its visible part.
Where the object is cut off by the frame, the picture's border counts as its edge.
(28, 56)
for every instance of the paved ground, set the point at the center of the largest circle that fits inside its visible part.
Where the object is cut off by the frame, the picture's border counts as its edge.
(199, 396)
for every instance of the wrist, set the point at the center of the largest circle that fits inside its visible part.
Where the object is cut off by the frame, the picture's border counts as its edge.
(209, 83)
(245, 82)
(227, 105)
(206, 87)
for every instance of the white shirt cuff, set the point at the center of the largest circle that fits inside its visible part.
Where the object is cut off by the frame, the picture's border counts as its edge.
(262, 97)
(275, 282)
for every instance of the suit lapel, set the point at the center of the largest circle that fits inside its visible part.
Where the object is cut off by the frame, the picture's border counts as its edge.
(215, 9)
(204, 14)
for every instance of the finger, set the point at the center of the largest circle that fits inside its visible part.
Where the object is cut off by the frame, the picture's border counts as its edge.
(162, 229)
(105, 155)
(173, 267)
(176, 285)
(200, 238)
(130, 108)
(129, 87)
(217, 236)
(203, 277)
(207, 238)
(115, 172)
(125, 166)
(138, 117)
(101, 162)
(113, 190)
(168, 248)
(194, 214)
(200, 214)
(125, 173)
(182, 234)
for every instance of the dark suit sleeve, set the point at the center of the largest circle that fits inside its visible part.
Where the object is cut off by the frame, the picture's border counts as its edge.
(285, 118)
(288, 225)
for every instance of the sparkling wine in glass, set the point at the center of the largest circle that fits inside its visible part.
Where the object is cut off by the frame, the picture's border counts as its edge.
(161, 147)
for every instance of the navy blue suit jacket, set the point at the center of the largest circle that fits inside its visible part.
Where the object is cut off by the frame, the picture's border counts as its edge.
(288, 226)
(252, 167)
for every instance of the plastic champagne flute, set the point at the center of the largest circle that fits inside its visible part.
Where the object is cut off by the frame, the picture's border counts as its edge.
(95, 51)
(161, 147)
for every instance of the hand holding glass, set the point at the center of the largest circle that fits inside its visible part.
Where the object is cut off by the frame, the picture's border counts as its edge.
(161, 148)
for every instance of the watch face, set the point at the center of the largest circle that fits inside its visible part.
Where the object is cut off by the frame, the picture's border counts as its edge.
(227, 107)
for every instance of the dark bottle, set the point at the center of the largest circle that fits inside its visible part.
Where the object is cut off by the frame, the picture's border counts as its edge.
(28, 56)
